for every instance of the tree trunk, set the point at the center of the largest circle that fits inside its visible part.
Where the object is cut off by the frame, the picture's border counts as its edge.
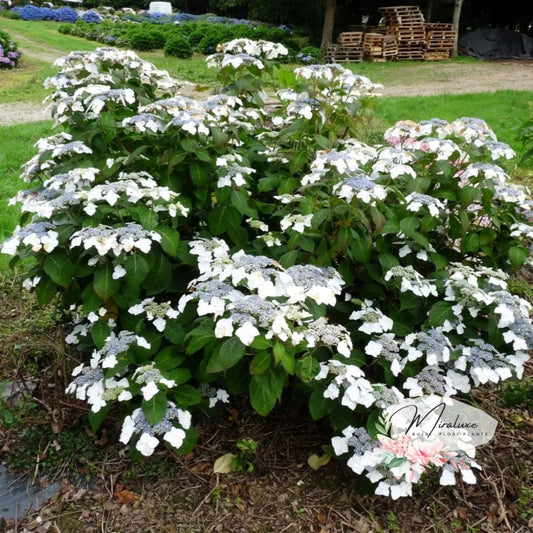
(329, 23)
(429, 9)
(455, 22)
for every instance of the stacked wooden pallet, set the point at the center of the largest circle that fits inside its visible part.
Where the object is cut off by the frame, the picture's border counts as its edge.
(348, 50)
(440, 40)
(350, 38)
(407, 24)
(405, 35)
(380, 47)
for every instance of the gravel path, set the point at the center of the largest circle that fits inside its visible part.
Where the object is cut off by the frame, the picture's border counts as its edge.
(18, 113)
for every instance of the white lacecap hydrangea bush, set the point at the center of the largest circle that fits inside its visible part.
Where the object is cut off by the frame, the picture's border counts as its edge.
(210, 248)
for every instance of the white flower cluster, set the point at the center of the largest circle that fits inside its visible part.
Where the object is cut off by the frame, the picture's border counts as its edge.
(296, 222)
(172, 428)
(156, 313)
(255, 48)
(214, 395)
(417, 201)
(245, 293)
(411, 281)
(150, 378)
(145, 122)
(336, 83)
(91, 100)
(234, 60)
(102, 65)
(432, 136)
(297, 105)
(231, 172)
(351, 380)
(374, 321)
(90, 385)
(105, 239)
(134, 187)
(362, 187)
(37, 236)
(195, 117)
(352, 159)
(52, 150)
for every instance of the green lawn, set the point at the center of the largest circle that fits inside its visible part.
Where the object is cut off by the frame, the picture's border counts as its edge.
(16, 148)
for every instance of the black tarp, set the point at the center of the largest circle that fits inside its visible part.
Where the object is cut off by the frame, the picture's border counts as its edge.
(496, 43)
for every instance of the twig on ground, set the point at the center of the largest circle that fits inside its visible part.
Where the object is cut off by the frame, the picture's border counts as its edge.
(206, 498)
(501, 508)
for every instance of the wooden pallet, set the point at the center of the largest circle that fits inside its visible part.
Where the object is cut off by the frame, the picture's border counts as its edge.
(440, 37)
(336, 53)
(329, 52)
(436, 55)
(413, 55)
(348, 54)
(440, 34)
(439, 26)
(440, 45)
(376, 45)
(399, 10)
(407, 32)
(411, 50)
(434, 36)
(414, 38)
(350, 38)
(401, 14)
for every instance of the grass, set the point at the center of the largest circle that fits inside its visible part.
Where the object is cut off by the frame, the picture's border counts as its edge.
(25, 84)
(42, 36)
(17, 147)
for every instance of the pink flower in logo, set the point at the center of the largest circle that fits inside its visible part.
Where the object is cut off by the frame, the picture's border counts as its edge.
(423, 453)
(398, 446)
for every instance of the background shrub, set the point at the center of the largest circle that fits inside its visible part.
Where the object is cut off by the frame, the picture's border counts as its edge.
(310, 55)
(147, 40)
(8, 51)
(177, 46)
(62, 14)
(66, 29)
(91, 16)
(9, 14)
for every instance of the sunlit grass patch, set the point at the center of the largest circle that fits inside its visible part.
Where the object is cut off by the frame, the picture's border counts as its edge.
(17, 147)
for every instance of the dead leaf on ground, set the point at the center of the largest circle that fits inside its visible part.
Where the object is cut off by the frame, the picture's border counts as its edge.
(224, 464)
(461, 512)
(125, 496)
(202, 469)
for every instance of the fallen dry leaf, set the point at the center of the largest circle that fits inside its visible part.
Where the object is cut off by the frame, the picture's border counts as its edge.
(461, 512)
(125, 496)
(224, 464)
(202, 469)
